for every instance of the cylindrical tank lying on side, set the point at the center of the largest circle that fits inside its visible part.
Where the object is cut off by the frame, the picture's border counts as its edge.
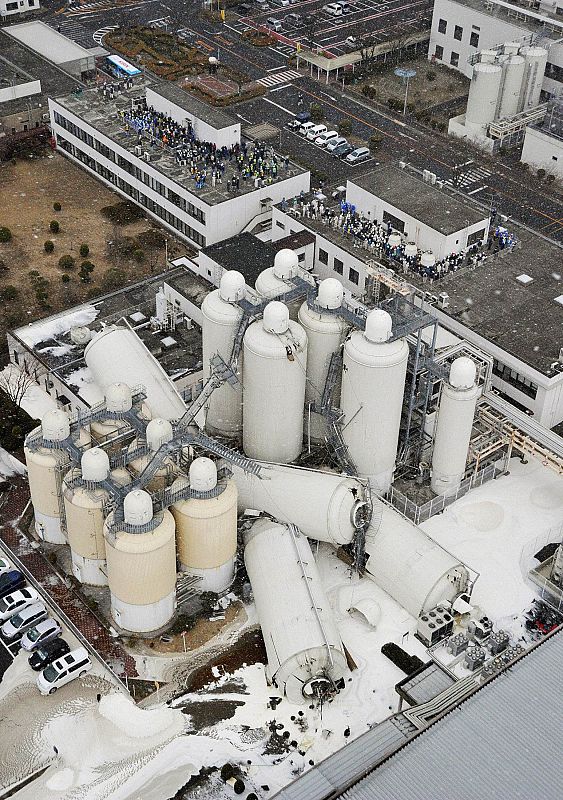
(45, 470)
(118, 400)
(84, 512)
(373, 383)
(116, 354)
(536, 61)
(276, 281)
(274, 374)
(141, 564)
(221, 319)
(513, 68)
(453, 427)
(305, 654)
(413, 569)
(325, 333)
(483, 94)
(323, 505)
(158, 432)
(206, 528)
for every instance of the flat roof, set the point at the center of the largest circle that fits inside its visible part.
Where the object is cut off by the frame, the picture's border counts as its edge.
(48, 42)
(105, 117)
(215, 117)
(420, 200)
(245, 253)
(532, 19)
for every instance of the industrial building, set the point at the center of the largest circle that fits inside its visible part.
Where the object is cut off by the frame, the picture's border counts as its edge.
(10, 9)
(64, 53)
(176, 157)
(543, 144)
(462, 28)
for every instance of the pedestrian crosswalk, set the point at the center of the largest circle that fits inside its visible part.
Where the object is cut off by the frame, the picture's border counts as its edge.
(469, 176)
(75, 31)
(285, 49)
(280, 77)
(161, 22)
(98, 35)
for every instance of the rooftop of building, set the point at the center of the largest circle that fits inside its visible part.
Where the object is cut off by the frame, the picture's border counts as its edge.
(552, 124)
(16, 57)
(422, 201)
(215, 117)
(519, 14)
(48, 42)
(107, 117)
(49, 339)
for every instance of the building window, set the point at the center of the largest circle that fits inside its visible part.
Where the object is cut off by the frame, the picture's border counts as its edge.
(280, 225)
(323, 256)
(300, 257)
(442, 26)
(439, 52)
(338, 266)
(454, 59)
(11, 6)
(474, 39)
(554, 72)
(458, 32)
(354, 276)
(395, 222)
(512, 377)
(476, 236)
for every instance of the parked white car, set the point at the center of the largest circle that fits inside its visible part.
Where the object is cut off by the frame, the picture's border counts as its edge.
(326, 137)
(16, 601)
(306, 127)
(40, 634)
(357, 155)
(23, 620)
(64, 670)
(334, 9)
(5, 566)
(316, 131)
(334, 143)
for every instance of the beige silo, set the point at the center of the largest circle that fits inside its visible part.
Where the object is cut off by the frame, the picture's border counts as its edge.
(158, 432)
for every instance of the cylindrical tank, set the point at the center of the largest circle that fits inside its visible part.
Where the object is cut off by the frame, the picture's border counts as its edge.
(488, 56)
(411, 250)
(118, 400)
(221, 319)
(324, 505)
(141, 566)
(453, 427)
(158, 432)
(116, 354)
(427, 259)
(305, 653)
(80, 335)
(394, 240)
(373, 383)
(510, 48)
(513, 68)
(534, 71)
(274, 374)
(276, 281)
(45, 471)
(206, 528)
(413, 569)
(483, 94)
(84, 512)
(325, 333)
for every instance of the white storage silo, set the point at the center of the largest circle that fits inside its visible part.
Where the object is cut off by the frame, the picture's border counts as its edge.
(453, 427)
(536, 61)
(411, 250)
(483, 94)
(117, 400)
(206, 528)
(276, 281)
(510, 48)
(45, 469)
(116, 354)
(394, 239)
(274, 374)
(221, 319)
(373, 383)
(513, 69)
(325, 333)
(413, 569)
(141, 566)
(324, 505)
(305, 653)
(84, 512)
(427, 259)
(158, 432)
(488, 56)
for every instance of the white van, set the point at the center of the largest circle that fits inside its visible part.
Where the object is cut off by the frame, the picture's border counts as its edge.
(64, 670)
(306, 127)
(326, 137)
(314, 132)
(274, 24)
(334, 9)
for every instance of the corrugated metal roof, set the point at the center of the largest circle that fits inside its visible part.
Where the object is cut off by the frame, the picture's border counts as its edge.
(503, 742)
(426, 684)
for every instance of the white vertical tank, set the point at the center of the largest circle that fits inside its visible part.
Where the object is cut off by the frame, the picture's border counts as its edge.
(510, 48)
(303, 645)
(158, 432)
(116, 354)
(536, 61)
(412, 568)
(276, 281)
(513, 69)
(45, 470)
(483, 94)
(325, 333)
(453, 427)
(274, 373)
(118, 400)
(141, 565)
(373, 383)
(84, 512)
(324, 505)
(206, 528)
(488, 56)
(221, 319)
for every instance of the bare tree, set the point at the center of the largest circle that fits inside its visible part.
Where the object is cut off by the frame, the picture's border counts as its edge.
(367, 49)
(15, 383)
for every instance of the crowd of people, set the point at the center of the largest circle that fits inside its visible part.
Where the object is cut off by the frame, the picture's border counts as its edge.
(384, 242)
(253, 165)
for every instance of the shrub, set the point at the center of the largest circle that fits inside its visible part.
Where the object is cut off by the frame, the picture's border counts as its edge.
(67, 262)
(54, 226)
(138, 255)
(5, 235)
(84, 250)
(122, 213)
(541, 173)
(49, 246)
(430, 76)
(57, 206)
(65, 278)
(86, 269)
(374, 141)
(345, 127)
(114, 278)
(10, 293)
(550, 178)
(152, 239)
(317, 112)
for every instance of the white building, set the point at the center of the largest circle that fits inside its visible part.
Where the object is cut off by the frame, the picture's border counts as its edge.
(462, 28)
(543, 146)
(12, 8)
(56, 48)
(104, 134)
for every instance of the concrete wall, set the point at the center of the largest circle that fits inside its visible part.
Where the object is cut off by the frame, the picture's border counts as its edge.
(19, 90)
(543, 151)
(220, 136)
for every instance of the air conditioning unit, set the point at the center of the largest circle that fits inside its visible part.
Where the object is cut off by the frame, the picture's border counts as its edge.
(434, 625)
(147, 155)
(138, 150)
(443, 299)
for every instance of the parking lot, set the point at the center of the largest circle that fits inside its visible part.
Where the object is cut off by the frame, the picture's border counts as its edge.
(309, 20)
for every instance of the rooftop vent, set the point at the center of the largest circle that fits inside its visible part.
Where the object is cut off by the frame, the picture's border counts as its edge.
(525, 279)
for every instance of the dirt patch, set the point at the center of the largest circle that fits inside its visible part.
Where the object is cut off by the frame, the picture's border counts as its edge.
(205, 713)
(202, 632)
(249, 649)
